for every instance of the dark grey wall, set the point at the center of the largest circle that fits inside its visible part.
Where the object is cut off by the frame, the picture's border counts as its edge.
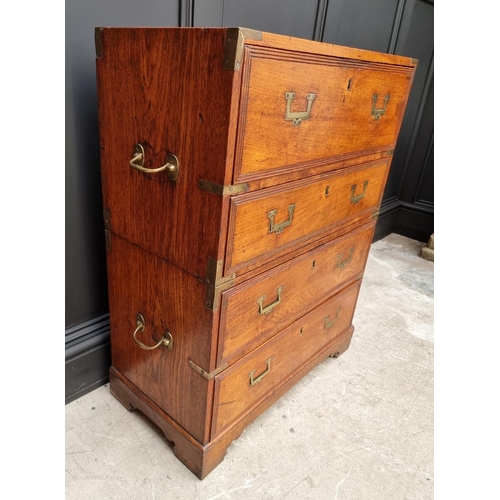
(395, 26)
(358, 23)
(290, 17)
(408, 204)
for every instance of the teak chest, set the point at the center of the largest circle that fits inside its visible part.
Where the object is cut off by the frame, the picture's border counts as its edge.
(242, 175)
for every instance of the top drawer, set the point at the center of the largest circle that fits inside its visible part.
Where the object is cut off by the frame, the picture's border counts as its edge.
(303, 110)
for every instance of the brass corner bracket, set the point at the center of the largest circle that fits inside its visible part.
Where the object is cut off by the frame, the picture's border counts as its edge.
(214, 272)
(216, 283)
(213, 294)
(107, 238)
(98, 42)
(233, 47)
(106, 215)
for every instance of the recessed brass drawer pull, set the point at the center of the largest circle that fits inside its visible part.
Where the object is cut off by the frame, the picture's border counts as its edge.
(270, 307)
(172, 164)
(356, 198)
(278, 228)
(262, 375)
(342, 263)
(329, 323)
(298, 116)
(378, 112)
(167, 340)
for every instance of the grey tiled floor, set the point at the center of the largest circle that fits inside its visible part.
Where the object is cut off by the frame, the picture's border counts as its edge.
(356, 427)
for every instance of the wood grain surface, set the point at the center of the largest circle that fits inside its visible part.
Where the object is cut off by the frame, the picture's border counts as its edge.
(202, 460)
(340, 123)
(275, 361)
(286, 284)
(293, 44)
(321, 202)
(305, 281)
(167, 90)
(169, 299)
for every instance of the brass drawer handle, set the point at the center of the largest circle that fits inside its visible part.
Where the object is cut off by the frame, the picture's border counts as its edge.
(378, 112)
(172, 164)
(342, 263)
(270, 307)
(356, 198)
(262, 375)
(278, 228)
(167, 340)
(329, 324)
(298, 116)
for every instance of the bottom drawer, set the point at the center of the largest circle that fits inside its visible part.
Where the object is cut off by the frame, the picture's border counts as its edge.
(249, 381)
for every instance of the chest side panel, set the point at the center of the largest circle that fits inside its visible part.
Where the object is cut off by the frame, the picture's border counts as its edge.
(168, 299)
(167, 91)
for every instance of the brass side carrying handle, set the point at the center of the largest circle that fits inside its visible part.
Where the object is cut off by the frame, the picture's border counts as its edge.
(378, 112)
(262, 375)
(167, 340)
(298, 116)
(278, 228)
(172, 164)
(342, 263)
(270, 307)
(329, 323)
(356, 198)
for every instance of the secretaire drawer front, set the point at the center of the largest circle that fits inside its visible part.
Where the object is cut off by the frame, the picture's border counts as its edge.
(247, 382)
(273, 221)
(302, 109)
(262, 306)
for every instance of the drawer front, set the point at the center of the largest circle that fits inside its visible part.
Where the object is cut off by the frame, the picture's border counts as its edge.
(242, 386)
(299, 109)
(272, 221)
(262, 306)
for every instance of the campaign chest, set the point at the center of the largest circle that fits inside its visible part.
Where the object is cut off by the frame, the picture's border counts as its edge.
(242, 175)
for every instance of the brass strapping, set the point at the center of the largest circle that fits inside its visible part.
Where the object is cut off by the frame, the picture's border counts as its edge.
(211, 187)
(203, 372)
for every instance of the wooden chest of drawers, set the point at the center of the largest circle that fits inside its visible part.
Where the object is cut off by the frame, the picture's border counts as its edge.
(242, 174)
